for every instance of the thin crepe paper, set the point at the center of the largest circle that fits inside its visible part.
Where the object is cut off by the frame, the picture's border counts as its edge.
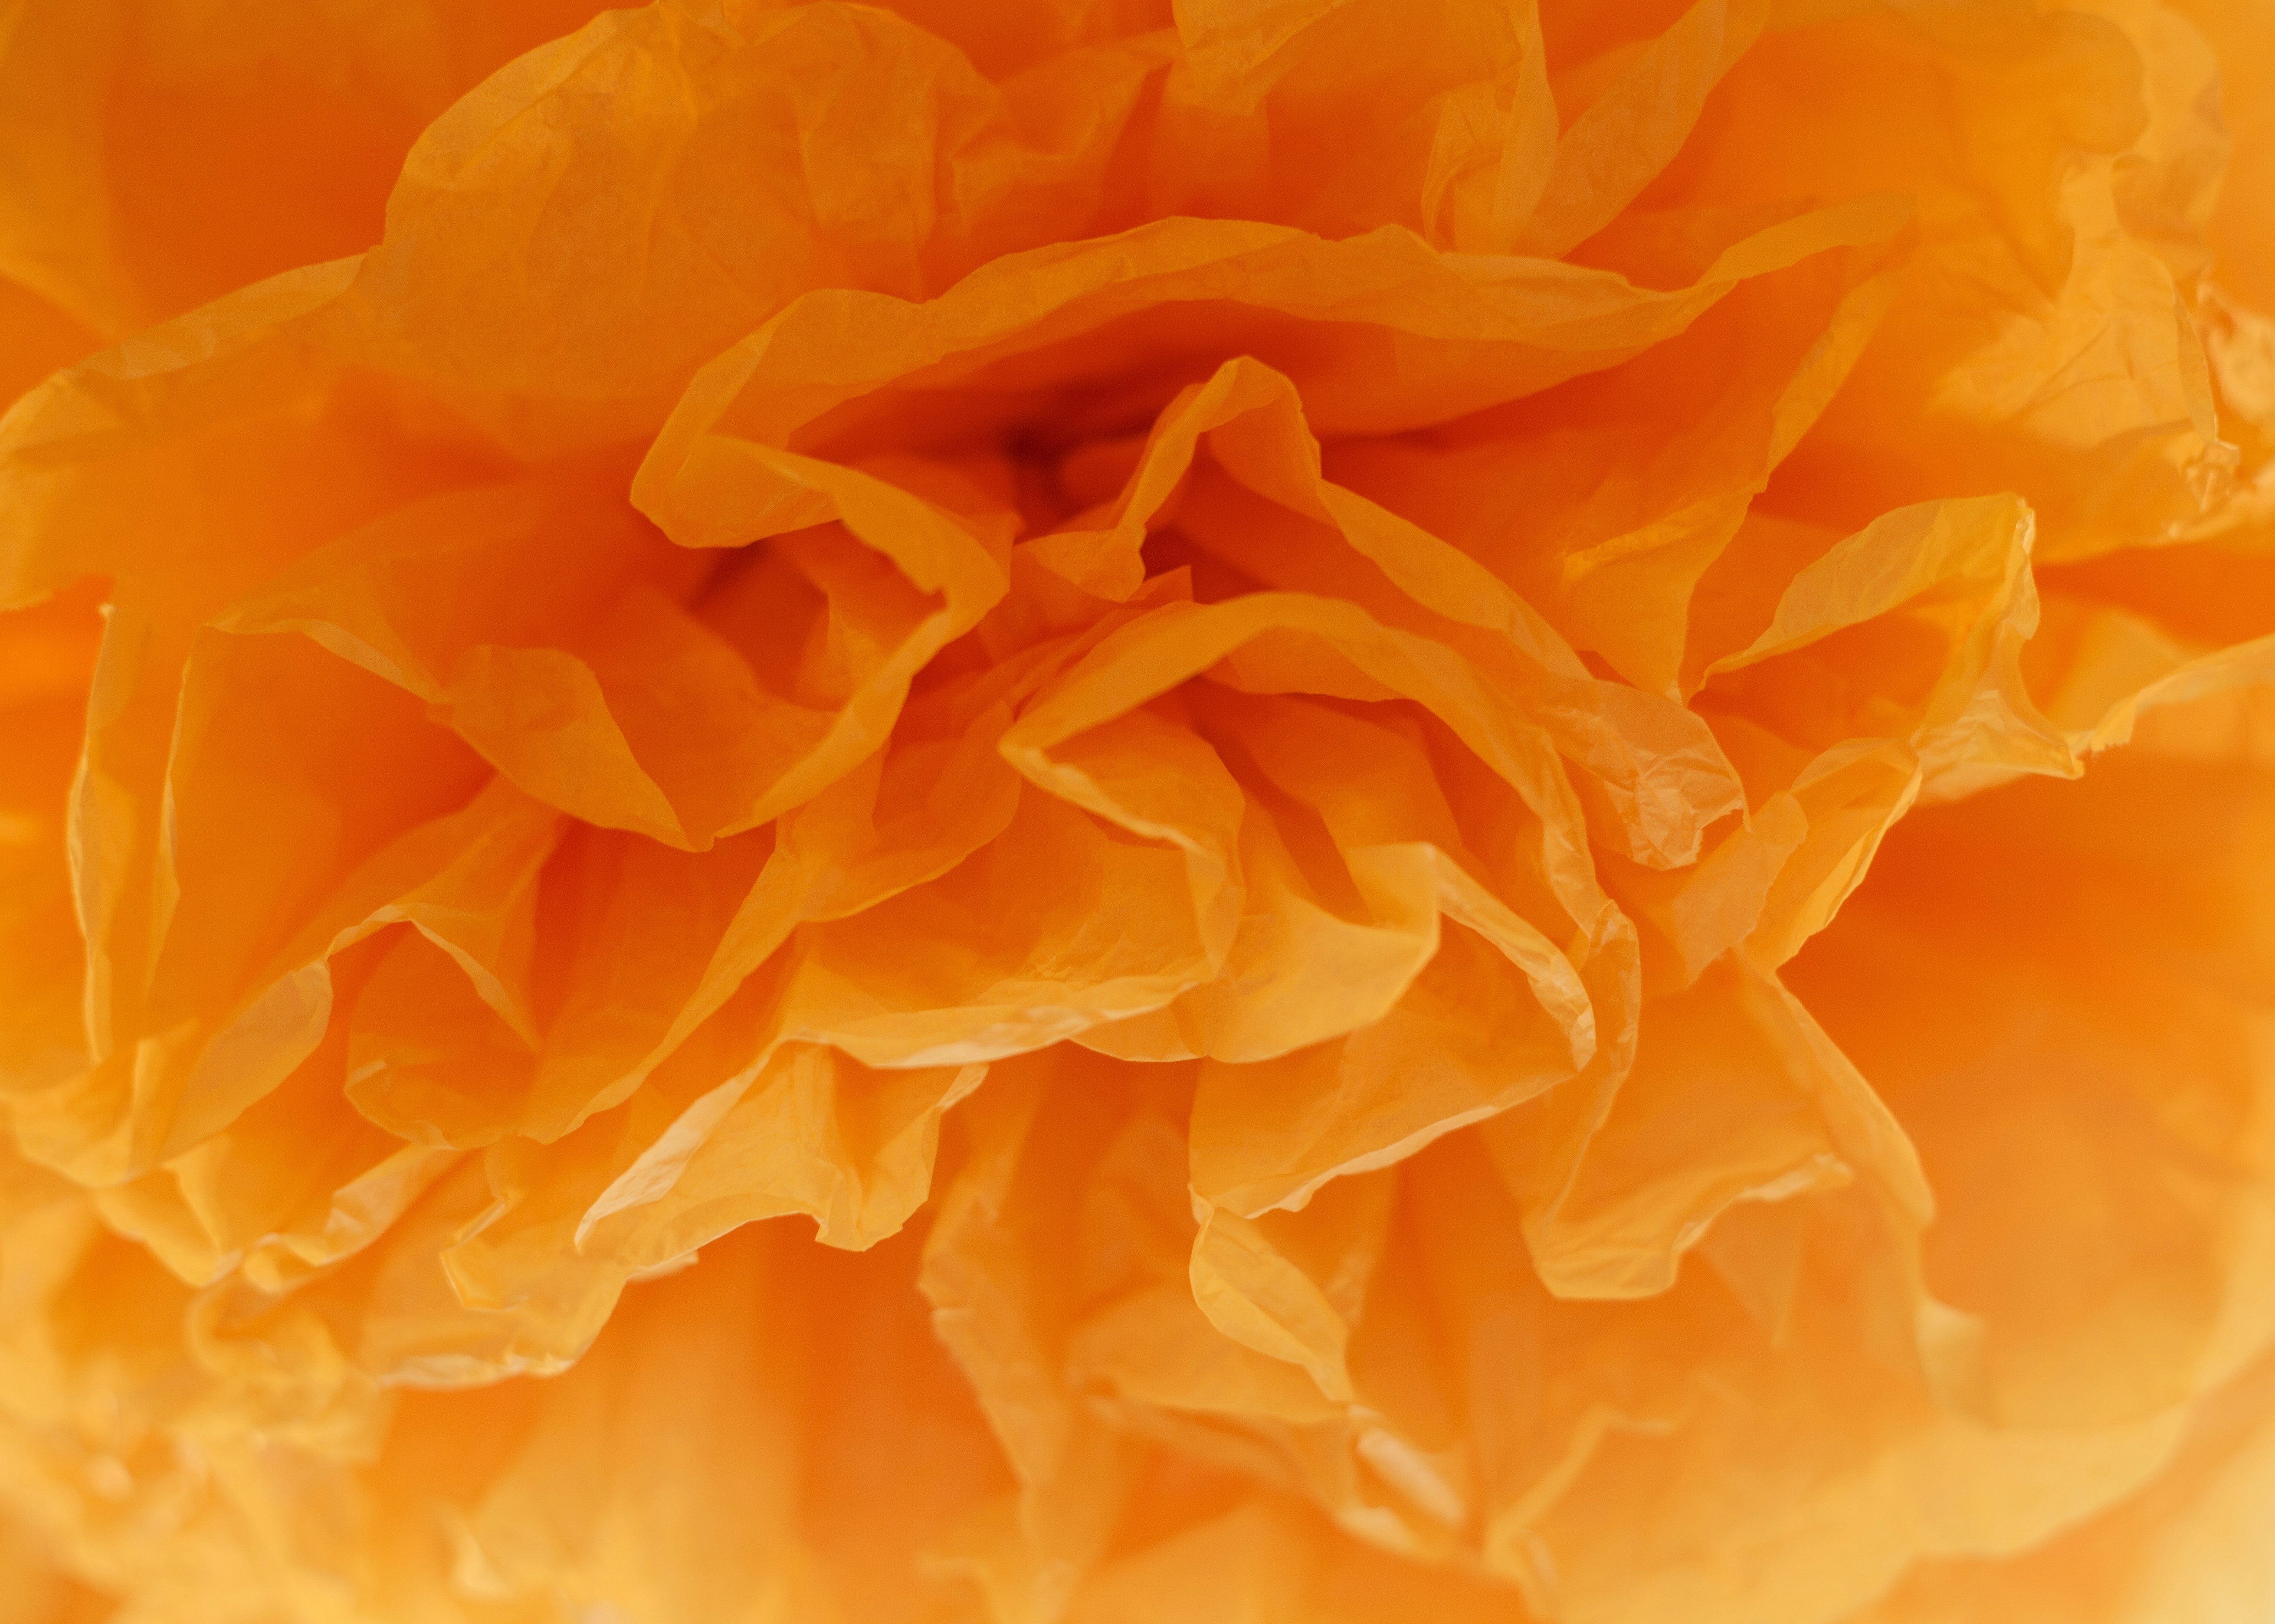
(1377, 744)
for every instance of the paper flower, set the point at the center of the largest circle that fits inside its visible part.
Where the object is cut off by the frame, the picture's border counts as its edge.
(1327, 809)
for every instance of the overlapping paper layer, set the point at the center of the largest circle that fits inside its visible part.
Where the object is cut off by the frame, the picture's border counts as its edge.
(1067, 810)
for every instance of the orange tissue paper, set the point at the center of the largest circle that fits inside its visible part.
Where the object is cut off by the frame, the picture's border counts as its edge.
(1138, 811)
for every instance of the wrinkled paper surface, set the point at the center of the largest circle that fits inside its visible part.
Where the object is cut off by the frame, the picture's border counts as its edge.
(1469, 806)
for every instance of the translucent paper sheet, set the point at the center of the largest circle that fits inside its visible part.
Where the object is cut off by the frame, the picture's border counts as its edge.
(1044, 810)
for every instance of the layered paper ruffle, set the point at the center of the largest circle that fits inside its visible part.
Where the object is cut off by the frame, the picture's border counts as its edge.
(1479, 797)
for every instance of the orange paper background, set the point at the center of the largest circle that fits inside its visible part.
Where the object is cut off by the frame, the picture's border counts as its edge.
(1243, 812)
